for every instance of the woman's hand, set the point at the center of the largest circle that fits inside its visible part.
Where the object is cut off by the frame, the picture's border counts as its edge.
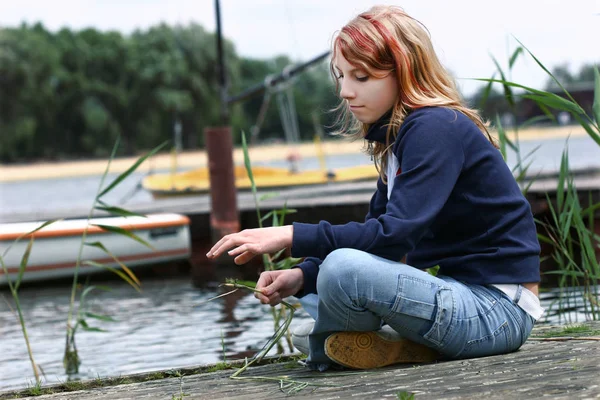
(248, 243)
(277, 285)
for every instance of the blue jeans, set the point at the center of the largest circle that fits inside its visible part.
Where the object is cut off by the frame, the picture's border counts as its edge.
(360, 292)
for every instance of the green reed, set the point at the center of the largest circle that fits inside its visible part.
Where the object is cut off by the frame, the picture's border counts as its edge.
(14, 290)
(277, 219)
(570, 230)
(71, 360)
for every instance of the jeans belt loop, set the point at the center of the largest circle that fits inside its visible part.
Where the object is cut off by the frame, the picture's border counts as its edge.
(518, 294)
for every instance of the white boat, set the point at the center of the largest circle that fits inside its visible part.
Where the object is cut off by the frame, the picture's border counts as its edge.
(56, 246)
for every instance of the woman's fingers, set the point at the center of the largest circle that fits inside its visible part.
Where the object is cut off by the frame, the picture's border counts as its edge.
(225, 243)
(244, 258)
(271, 300)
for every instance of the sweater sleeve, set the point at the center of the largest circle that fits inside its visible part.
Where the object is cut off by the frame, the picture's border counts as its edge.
(431, 159)
(310, 269)
(378, 201)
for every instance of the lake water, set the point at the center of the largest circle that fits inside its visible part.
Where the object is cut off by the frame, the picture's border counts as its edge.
(164, 327)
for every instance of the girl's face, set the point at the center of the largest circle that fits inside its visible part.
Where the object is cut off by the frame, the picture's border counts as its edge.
(369, 96)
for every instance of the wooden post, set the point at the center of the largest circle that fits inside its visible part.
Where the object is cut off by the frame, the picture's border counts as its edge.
(224, 215)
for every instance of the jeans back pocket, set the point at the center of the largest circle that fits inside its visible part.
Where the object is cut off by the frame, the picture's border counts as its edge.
(430, 305)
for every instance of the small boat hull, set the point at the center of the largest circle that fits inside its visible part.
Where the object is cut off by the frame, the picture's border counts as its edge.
(197, 181)
(56, 247)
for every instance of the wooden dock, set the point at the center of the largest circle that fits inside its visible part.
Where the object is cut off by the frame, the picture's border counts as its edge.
(564, 367)
(308, 200)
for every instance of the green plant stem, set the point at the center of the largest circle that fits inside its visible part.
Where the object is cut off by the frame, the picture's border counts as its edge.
(24, 329)
(15, 295)
(71, 330)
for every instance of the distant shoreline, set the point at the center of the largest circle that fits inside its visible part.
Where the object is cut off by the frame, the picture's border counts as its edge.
(197, 159)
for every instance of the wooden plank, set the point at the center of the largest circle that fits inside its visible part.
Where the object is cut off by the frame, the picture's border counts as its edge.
(558, 369)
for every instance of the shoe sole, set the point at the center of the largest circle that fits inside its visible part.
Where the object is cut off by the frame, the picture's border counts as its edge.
(366, 350)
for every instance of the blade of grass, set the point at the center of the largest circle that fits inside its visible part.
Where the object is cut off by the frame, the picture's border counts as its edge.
(119, 211)
(513, 58)
(23, 265)
(553, 101)
(24, 235)
(546, 70)
(590, 131)
(507, 92)
(120, 274)
(100, 246)
(125, 174)
(124, 232)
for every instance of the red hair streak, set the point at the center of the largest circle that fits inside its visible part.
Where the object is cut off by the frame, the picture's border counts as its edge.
(400, 57)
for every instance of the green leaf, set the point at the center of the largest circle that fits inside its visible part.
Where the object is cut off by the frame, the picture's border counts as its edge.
(275, 219)
(120, 274)
(247, 162)
(513, 57)
(23, 265)
(268, 196)
(125, 232)
(249, 284)
(523, 174)
(507, 91)
(595, 136)
(45, 224)
(85, 292)
(502, 137)
(123, 266)
(433, 270)
(547, 111)
(267, 216)
(547, 71)
(486, 93)
(556, 102)
(596, 106)
(125, 174)
(86, 327)
(106, 318)
(119, 211)
(589, 211)
(536, 148)
(545, 239)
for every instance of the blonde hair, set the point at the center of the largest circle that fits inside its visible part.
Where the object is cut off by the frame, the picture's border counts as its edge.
(386, 38)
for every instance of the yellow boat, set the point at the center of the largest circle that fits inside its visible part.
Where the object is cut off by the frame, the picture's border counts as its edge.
(197, 181)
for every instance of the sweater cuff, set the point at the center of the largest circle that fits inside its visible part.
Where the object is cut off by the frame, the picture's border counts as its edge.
(310, 269)
(303, 239)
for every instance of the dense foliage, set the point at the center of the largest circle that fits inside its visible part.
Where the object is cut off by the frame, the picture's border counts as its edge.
(68, 94)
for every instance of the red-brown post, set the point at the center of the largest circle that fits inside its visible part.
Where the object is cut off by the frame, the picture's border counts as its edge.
(224, 214)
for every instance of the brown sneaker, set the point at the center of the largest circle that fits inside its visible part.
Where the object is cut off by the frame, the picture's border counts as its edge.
(366, 350)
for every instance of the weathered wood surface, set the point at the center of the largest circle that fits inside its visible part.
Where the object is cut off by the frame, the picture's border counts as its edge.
(554, 369)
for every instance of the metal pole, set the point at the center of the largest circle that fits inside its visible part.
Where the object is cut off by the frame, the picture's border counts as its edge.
(260, 87)
(221, 66)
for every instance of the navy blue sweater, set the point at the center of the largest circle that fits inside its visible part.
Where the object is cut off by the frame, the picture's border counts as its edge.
(454, 203)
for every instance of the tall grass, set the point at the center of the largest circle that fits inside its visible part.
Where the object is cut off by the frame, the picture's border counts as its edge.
(14, 290)
(277, 219)
(77, 314)
(570, 229)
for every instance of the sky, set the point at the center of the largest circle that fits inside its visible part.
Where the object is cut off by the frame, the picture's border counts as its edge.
(465, 33)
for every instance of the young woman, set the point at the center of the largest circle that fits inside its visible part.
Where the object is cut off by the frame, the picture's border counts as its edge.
(445, 197)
